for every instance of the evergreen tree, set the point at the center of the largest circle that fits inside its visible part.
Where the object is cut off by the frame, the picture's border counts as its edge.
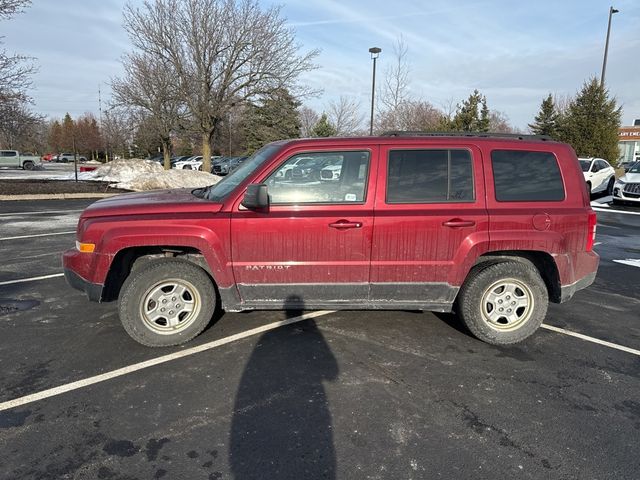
(323, 128)
(546, 122)
(591, 123)
(276, 118)
(472, 114)
(67, 139)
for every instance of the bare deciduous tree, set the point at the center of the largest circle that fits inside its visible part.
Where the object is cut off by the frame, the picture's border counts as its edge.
(499, 123)
(116, 132)
(221, 51)
(395, 89)
(150, 91)
(344, 114)
(308, 119)
(410, 115)
(15, 78)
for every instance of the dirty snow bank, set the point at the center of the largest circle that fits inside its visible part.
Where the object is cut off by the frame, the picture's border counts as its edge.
(139, 175)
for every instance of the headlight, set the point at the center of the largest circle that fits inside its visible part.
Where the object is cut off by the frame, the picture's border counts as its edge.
(620, 183)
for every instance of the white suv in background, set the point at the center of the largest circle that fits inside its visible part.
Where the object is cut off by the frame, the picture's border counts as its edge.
(627, 188)
(599, 175)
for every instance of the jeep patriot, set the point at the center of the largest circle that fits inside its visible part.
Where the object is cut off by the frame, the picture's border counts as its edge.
(491, 227)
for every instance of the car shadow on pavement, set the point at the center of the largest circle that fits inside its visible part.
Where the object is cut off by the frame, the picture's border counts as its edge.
(281, 426)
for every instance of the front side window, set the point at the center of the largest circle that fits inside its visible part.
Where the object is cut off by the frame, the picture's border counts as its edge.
(430, 176)
(524, 176)
(320, 177)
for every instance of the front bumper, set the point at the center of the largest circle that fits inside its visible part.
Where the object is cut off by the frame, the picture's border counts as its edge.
(620, 194)
(93, 290)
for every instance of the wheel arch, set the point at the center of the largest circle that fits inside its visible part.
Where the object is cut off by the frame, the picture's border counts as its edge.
(129, 259)
(541, 261)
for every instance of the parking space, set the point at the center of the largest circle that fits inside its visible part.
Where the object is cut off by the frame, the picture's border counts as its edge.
(342, 395)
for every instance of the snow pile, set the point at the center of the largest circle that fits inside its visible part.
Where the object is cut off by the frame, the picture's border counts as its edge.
(139, 175)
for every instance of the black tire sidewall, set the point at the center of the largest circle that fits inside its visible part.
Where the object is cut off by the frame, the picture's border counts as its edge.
(470, 301)
(155, 271)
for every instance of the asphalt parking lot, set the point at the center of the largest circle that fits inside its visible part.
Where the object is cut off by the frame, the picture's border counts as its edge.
(345, 395)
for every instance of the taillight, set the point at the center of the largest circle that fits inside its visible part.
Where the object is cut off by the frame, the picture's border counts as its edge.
(591, 235)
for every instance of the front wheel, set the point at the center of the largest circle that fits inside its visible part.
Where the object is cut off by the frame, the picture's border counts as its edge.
(28, 165)
(503, 303)
(612, 181)
(167, 302)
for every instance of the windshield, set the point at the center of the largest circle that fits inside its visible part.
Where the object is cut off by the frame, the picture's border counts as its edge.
(635, 168)
(585, 164)
(224, 187)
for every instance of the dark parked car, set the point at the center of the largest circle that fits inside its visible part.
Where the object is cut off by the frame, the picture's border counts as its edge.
(226, 165)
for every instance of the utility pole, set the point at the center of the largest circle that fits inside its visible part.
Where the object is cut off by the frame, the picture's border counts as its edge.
(374, 51)
(606, 46)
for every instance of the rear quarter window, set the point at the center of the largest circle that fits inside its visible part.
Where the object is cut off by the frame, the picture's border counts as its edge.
(526, 176)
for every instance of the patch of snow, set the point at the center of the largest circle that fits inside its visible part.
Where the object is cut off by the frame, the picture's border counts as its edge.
(140, 175)
(634, 262)
(595, 203)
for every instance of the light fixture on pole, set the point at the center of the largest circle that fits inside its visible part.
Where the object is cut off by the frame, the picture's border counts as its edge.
(374, 51)
(606, 46)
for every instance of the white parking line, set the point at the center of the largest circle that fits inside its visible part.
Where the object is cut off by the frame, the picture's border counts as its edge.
(51, 392)
(633, 262)
(608, 210)
(42, 212)
(591, 339)
(32, 279)
(37, 235)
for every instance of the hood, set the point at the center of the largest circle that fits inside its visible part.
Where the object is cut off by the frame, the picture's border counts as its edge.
(150, 203)
(631, 178)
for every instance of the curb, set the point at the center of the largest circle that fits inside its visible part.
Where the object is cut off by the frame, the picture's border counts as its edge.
(58, 196)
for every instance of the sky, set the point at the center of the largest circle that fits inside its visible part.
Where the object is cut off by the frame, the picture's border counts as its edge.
(515, 53)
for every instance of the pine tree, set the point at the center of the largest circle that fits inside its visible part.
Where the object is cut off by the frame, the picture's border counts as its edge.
(323, 128)
(591, 123)
(546, 122)
(68, 127)
(275, 118)
(472, 114)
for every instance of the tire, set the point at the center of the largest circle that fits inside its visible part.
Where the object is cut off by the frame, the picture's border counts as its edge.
(502, 285)
(186, 167)
(139, 303)
(589, 189)
(28, 165)
(612, 181)
(288, 175)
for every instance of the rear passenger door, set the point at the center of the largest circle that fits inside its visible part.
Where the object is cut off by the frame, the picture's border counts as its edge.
(430, 223)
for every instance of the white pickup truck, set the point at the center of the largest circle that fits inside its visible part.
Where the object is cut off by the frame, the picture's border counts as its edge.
(12, 158)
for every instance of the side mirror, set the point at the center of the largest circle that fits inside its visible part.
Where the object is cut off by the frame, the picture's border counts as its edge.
(256, 197)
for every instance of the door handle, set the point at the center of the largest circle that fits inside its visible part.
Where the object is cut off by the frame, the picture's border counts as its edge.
(345, 224)
(456, 222)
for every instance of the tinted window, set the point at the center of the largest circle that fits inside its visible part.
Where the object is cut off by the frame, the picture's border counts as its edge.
(585, 164)
(521, 176)
(602, 164)
(427, 176)
(321, 177)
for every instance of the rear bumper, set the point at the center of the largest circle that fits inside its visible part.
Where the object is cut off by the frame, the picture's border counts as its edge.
(567, 291)
(93, 290)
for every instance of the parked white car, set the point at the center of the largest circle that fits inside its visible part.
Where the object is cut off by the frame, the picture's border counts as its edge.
(627, 188)
(192, 163)
(599, 175)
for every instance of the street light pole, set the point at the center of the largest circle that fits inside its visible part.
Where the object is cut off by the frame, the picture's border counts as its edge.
(606, 46)
(374, 51)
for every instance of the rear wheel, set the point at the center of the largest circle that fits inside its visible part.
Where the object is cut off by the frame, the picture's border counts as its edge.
(167, 302)
(503, 303)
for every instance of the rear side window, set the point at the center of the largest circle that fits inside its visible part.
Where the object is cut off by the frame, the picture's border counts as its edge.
(429, 176)
(522, 176)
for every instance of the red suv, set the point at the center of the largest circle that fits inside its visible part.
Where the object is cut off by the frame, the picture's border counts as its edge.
(491, 227)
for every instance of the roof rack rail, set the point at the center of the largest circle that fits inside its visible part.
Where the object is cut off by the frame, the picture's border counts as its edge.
(516, 136)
